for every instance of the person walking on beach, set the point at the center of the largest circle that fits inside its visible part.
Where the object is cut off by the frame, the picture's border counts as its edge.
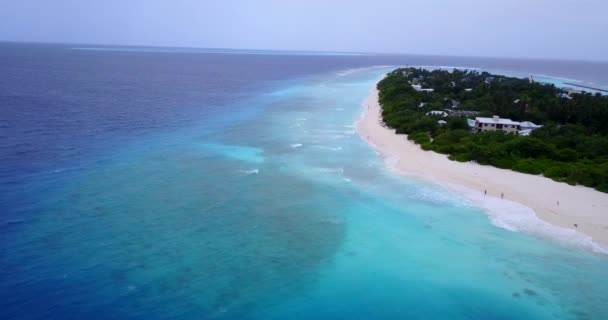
(502, 195)
(485, 192)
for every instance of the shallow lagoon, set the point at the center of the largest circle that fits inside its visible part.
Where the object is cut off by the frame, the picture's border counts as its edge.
(278, 212)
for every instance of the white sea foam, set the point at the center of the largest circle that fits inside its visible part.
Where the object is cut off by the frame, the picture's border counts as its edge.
(251, 171)
(508, 215)
(296, 145)
(517, 217)
(511, 215)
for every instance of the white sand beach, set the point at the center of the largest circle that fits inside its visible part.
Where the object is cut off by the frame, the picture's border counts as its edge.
(581, 212)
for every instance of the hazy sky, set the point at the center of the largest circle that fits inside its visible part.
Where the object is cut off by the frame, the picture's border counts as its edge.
(573, 29)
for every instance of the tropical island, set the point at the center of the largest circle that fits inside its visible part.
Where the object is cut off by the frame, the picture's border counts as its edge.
(505, 122)
(531, 155)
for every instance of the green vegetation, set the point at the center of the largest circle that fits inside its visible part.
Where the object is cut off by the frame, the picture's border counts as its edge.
(572, 146)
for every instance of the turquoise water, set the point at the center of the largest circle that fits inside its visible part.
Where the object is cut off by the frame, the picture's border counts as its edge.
(284, 213)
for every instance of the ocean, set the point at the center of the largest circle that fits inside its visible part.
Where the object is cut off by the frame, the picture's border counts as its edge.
(168, 183)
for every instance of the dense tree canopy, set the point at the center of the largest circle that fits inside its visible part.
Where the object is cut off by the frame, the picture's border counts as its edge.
(572, 146)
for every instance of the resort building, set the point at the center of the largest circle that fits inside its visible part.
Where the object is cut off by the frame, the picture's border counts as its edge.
(523, 128)
(418, 87)
(526, 128)
(496, 123)
(437, 113)
(527, 125)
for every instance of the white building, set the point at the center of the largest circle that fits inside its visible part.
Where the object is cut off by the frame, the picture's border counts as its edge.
(418, 87)
(496, 124)
(437, 113)
(527, 125)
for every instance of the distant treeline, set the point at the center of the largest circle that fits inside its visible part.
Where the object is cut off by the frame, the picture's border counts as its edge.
(572, 146)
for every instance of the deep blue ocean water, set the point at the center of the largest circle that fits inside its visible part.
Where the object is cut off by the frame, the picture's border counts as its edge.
(197, 184)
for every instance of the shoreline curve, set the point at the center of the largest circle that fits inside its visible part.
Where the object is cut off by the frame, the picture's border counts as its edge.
(532, 204)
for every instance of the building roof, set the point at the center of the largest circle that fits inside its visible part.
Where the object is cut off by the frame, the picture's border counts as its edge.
(496, 120)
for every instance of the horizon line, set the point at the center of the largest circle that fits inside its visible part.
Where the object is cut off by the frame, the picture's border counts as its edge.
(351, 53)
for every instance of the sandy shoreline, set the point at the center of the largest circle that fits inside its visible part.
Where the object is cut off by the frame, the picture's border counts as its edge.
(585, 207)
